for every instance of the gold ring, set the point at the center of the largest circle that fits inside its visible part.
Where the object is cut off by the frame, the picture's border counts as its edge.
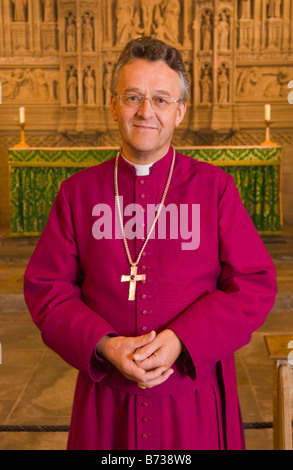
(142, 386)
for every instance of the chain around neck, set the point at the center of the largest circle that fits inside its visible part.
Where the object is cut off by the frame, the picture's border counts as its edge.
(135, 263)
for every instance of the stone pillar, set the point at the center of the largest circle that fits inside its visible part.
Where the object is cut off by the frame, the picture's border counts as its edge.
(286, 29)
(36, 28)
(224, 65)
(99, 66)
(6, 22)
(257, 25)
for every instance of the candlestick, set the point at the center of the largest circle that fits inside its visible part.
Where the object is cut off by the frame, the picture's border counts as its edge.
(267, 140)
(22, 143)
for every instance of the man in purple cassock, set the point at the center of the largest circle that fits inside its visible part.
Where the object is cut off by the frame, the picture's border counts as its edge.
(150, 307)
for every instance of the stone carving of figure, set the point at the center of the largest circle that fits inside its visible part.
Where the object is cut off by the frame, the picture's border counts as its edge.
(41, 85)
(124, 12)
(53, 83)
(87, 34)
(131, 29)
(275, 85)
(171, 11)
(49, 10)
(223, 85)
(274, 8)
(189, 70)
(148, 8)
(29, 85)
(283, 78)
(70, 34)
(223, 32)
(159, 28)
(107, 82)
(136, 29)
(206, 32)
(19, 10)
(8, 86)
(27, 89)
(89, 87)
(206, 86)
(248, 82)
(245, 9)
(278, 86)
(71, 87)
(11, 83)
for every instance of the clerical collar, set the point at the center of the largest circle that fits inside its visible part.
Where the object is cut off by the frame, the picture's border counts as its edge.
(141, 170)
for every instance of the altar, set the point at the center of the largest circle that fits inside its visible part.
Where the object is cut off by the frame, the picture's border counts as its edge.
(36, 174)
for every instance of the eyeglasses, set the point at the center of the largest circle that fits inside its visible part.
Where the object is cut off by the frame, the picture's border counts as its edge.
(136, 100)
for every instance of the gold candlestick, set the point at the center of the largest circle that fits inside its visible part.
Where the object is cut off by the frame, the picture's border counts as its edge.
(267, 140)
(22, 143)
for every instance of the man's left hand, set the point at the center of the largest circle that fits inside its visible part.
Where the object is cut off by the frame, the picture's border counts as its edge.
(162, 351)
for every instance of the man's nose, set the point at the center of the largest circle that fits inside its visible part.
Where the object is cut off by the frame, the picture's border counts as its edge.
(146, 108)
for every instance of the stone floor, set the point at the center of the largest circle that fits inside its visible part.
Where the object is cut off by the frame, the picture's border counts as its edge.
(36, 386)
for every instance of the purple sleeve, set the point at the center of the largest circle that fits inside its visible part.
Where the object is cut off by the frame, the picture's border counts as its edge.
(222, 321)
(52, 290)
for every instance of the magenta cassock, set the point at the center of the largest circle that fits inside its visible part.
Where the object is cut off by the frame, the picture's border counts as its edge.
(212, 290)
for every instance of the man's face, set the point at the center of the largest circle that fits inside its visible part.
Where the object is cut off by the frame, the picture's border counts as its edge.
(147, 132)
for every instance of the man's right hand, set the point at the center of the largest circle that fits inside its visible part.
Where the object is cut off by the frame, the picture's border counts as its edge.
(119, 351)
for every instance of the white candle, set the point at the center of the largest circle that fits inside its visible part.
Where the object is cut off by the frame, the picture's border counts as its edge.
(267, 112)
(22, 115)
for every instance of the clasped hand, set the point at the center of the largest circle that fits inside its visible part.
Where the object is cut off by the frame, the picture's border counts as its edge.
(145, 359)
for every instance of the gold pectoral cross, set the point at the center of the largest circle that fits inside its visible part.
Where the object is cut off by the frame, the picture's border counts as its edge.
(132, 279)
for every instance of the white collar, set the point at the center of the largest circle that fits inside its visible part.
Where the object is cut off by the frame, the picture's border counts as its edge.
(141, 170)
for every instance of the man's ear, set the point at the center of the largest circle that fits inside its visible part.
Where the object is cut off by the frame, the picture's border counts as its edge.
(113, 104)
(180, 113)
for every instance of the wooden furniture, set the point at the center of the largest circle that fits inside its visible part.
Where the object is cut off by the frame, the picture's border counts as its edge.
(280, 349)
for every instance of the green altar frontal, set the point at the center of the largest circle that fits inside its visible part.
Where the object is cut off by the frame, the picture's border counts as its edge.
(36, 175)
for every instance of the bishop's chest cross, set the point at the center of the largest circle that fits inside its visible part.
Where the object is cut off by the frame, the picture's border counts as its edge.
(132, 279)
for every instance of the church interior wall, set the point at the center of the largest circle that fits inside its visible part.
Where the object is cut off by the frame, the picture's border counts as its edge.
(56, 58)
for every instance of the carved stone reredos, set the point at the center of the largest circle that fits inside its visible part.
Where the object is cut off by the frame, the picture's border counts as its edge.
(60, 54)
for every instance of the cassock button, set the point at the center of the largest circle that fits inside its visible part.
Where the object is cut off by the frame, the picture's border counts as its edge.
(144, 328)
(142, 181)
(144, 312)
(142, 196)
(146, 404)
(145, 420)
(143, 296)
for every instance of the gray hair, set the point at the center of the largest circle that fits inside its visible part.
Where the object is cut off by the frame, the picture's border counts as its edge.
(153, 50)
